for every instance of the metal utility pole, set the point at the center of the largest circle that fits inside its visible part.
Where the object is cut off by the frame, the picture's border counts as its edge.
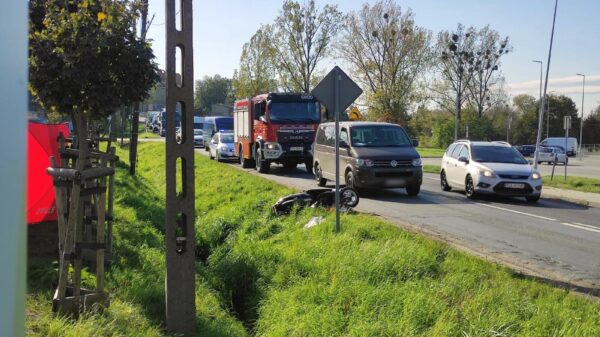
(135, 120)
(180, 238)
(581, 122)
(541, 119)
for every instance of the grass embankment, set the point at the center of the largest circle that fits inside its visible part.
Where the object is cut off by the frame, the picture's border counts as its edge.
(581, 184)
(431, 168)
(148, 135)
(272, 277)
(430, 152)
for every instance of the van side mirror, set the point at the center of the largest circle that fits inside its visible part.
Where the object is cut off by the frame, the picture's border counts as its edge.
(463, 160)
(415, 142)
(343, 143)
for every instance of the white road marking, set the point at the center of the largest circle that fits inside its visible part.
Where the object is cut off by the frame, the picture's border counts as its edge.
(581, 227)
(517, 212)
(588, 226)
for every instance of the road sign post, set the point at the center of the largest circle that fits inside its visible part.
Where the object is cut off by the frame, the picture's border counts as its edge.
(336, 92)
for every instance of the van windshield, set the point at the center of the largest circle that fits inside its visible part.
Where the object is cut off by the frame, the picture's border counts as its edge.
(378, 136)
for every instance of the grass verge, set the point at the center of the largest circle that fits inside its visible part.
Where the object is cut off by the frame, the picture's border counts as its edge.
(262, 275)
(581, 184)
(431, 168)
(148, 135)
(430, 152)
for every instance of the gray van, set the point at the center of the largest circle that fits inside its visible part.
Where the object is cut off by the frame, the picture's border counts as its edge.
(372, 154)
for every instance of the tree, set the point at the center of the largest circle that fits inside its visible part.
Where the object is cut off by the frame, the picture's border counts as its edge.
(212, 90)
(488, 48)
(301, 37)
(256, 73)
(387, 52)
(591, 127)
(469, 68)
(559, 106)
(84, 58)
(525, 123)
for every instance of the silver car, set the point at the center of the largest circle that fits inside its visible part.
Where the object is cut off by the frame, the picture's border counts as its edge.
(489, 168)
(221, 147)
(552, 154)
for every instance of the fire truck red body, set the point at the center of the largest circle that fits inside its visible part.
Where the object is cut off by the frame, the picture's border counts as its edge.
(275, 128)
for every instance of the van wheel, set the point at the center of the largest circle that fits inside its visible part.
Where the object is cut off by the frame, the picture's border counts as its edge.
(262, 165)
(444, 182)
(350, 180)
(413, 190)
(470, 188)
(319, 176)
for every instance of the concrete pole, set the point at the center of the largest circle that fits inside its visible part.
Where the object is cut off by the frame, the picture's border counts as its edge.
(540, 110)
(13, 140)
(540, 122)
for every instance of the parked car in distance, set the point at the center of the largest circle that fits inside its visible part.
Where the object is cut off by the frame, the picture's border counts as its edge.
(568, 144)
(221, 146)
(550, 154)
(379, 155)
(489, 168)
(198, 138)
(526, 150)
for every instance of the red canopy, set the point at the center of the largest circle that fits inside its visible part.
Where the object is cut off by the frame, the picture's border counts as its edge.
(42, 142)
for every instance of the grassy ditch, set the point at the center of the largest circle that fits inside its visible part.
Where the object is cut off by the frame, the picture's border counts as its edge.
(262, 275)
(431, 168)
(148, 135)
(581, 184)
(430, 152)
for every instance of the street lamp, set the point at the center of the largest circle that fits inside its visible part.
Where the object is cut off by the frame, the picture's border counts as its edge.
(581, 122)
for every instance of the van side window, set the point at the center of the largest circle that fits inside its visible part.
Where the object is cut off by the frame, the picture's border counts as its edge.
(456, 151)
(329, 136)
(344, 136)
(321, 135)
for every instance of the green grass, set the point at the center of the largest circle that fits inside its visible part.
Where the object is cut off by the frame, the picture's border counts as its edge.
(430, 152)
(262, 275)
(581, 184)
(431, 168)
(147, 135)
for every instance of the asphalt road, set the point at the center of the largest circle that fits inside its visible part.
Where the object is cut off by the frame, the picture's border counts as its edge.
(552, 239)
(588, 167)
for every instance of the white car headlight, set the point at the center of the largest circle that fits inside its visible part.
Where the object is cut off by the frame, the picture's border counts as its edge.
(536, 176)
(488, 173)
(417, 162)
(271, 146)
(223, 148)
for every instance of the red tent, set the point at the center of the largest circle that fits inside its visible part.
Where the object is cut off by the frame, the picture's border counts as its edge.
(42, 142)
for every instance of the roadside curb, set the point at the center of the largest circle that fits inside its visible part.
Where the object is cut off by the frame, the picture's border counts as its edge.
(583, 198)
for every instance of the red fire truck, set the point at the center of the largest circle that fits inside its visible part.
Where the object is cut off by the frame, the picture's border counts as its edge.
(275, 128)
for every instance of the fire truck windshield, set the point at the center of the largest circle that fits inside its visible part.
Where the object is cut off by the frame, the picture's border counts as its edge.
(294, 112)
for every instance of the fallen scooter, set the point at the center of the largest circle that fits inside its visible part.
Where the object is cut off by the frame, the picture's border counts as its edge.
(319, 197)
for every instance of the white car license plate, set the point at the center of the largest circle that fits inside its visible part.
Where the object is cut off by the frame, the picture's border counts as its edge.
(296, 148)
(513, 185)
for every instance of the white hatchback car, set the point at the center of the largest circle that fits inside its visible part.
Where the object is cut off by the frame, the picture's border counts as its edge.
(489, 168)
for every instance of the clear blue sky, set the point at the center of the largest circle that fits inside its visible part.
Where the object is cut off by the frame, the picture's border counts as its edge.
(222, 27)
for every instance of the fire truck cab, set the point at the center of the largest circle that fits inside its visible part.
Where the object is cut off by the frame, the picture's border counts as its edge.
(275, 128)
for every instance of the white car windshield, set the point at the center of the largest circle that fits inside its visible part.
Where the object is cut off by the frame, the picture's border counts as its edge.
(497, 154)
